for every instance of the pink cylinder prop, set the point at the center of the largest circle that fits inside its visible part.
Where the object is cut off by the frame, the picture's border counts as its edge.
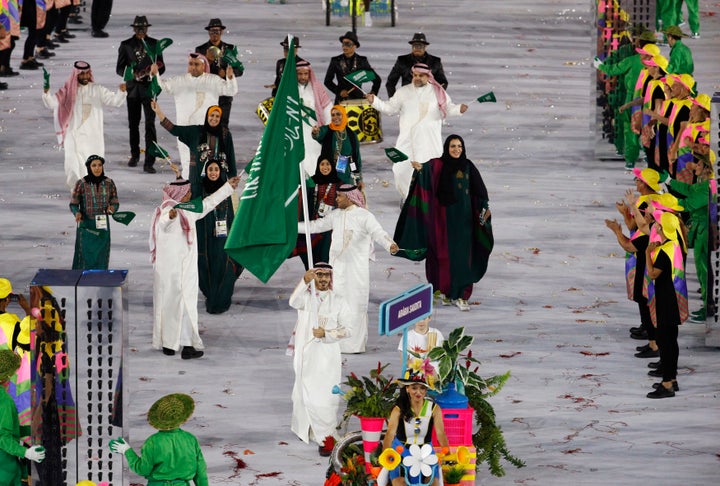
(371, 428)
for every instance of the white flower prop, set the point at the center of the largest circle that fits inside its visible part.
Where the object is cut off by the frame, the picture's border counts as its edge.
(420, 460)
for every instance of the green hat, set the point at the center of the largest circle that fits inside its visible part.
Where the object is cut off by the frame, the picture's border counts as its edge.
(5, 288)
(648, 36)
(9, 364)
(171, 411)
(675, 31)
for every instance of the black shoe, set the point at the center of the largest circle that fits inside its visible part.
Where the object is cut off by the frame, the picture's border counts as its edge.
(50, 45)
(7, 71)
(642, 348)
(58, 39)
(657, 373)
(67, 35)
(3, 86)
(642, 336)
(44, 53)
(168, 352)
(648, 353)
(99, 33)
(661, 392)
(149, 169)
(659, 384)
(74, 19)
(653, 365)
(635, 330)
(30, 64)
(189, 352)
(134, 159)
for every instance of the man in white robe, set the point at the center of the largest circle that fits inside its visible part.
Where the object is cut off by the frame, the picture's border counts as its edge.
(78, 118)
(195, 92)
(313, 96)
(173, 249)
(354, 229)
(316, 357)
(422, 105)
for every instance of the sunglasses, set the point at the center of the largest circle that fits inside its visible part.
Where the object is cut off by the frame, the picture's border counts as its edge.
(348, 44)
(215, 31)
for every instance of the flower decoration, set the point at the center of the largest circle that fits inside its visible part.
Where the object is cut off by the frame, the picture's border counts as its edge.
(333, 480)
(368, 396)
(420, 460)
(390, 459)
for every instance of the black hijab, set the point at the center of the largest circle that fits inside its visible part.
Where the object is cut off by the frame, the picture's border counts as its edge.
(331, 178)
(91, 178)
(448, 174)
(211, 186)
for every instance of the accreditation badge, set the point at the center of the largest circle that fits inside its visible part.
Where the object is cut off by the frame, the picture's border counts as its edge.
(342, 163)
(221, 229)
(101, 222)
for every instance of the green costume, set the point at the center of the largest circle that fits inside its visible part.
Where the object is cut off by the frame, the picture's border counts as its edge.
(344, 142)
(627, 70)
(170, 455)
(681, 60)
(665, 14)
(696, 202)
(11, 470)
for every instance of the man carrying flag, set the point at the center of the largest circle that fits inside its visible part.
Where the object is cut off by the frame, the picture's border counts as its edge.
(268, 202)
(134, 62)
(422, 105)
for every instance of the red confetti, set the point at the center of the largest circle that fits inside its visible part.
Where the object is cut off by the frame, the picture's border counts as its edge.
(588, 353)
(239, 463)
(268, 475)
(220, 406)
(248, 452)
(572, 451)
(282, 443)
(547, 307)
(511, 355)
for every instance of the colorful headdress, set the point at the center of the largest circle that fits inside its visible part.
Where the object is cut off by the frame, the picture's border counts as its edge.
(650, 177)
(419, 372)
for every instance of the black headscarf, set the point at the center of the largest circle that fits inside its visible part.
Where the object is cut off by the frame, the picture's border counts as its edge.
(91, 178)
(448, 175)
(331, 178)
(211, 186)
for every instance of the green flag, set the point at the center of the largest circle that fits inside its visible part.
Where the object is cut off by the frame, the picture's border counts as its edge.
(308, 113)
(158, 152)
(230, 56)
(155, 50)
(487, 98)
(154, 89)
(265, 231)
(193, 205)
(123, 217)
(395, 155)
(129, 74)
(46, 79)
(359, 77)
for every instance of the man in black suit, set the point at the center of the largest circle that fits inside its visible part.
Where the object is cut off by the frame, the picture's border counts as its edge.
(344, 64)
(213, 50)
(403, 65)
(132, 53)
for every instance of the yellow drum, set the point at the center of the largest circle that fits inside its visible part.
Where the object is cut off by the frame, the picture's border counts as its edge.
(364, 120)
(264, 108)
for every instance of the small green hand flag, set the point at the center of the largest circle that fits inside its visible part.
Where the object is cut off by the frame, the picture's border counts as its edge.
(158, 152)
(193, 205)
(362, 76)
(156, 50)
(231, 58)
(487, 98)
(154, 89)
(129, 73)
(395, 155)
(46, 79)
(123, 217)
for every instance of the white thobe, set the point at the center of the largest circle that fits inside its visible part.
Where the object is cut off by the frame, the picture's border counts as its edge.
(175, 277)
(84, 134)
(420, 136)
(193, 96)
(317, 363)
(353, 231)
(312, 147)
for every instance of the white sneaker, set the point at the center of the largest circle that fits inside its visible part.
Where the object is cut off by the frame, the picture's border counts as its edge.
(695, 35)
(368, 20)
(462, 304)
(444, 300)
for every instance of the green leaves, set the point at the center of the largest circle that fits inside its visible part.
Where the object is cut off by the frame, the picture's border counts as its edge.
(370, 396)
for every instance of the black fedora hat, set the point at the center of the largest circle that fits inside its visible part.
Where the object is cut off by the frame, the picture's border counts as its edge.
(140, 21)
(350, 35)
(214, 23)
(286, 42)
(419, 37)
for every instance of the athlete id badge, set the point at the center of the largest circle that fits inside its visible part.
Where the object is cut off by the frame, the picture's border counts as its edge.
(221, 229)
(353, 166)
(342, 163)
(323, 209)
(101, 222)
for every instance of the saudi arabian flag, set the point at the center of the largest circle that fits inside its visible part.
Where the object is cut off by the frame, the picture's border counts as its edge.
(265, 228)
(359, 77)
(395, 155)
(194, 205)
(487, 98)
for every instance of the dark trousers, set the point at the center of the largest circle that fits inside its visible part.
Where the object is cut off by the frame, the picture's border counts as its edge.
(63, 14)
(646, 320)
(225, 104)
(667, 334)
(50, 22)
(28, 18)
(100, 13)
(136, 106)
(6, 53)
